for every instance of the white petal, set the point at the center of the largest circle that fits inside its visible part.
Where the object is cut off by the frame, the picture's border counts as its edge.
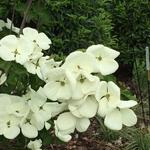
(114, 94)
(55, 108)
(103, 107)
(47, 125)
(43, 41)
(103, 51)
(128, 117)
(3, 78)
(51, 89)
(64, 137)
(107, 66)
(12, 132)
(6, 54)
(113, 120)
(29, 131)
(66, 121)
(30, 33)
(9, 41)
(74, 62)
(101, 90)
(127, 104)
(89, 107)
(82, 124)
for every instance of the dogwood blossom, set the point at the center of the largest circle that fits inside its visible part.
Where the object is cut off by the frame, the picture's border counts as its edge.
(66, 123)
(34, 65)
(12, 48)
(105, 56)
(59, 85)
(115, 111)
(9, 126)
(85, 84)
(121, 115)
(40, 38)
(35, 145)
(75, 64)
(108, 96)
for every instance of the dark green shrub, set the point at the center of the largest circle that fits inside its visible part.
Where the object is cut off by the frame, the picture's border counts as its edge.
(131, 27)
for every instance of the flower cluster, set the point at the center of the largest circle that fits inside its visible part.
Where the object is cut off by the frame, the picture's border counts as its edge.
(74, 90)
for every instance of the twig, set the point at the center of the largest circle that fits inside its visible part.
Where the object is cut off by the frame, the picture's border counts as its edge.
(12, 18)
(25, 15)
(139, 87)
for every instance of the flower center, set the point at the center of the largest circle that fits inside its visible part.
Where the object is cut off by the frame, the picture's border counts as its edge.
(99, 58)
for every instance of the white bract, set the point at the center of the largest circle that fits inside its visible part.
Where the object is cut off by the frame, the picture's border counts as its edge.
(10, 25)
(35, 145)
(3, 77)
(66, 124)
(86, 107)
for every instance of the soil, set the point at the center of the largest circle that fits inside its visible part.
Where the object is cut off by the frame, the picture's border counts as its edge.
(89, 140)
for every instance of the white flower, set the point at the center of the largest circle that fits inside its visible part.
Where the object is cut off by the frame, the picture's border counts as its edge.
(108, 96)
(47, 66)
(34, 65)
(78, 62)
(40, 38)
(86, 107)
(10, 25)
(84, 84)
(121, 115)
(40, 115)
(9, 126)
(12, 48)
(2, 25)
(115, 111)
(105, 56)
(35, 145)
(3, 77)
(59, 85)
(66, 123)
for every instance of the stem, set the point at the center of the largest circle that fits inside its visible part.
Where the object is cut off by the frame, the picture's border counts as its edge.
(38, 23)
(12, 18)
(25, 16)
(139, 87)
(148, 89)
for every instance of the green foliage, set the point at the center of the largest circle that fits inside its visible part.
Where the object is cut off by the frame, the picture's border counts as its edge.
(131, 27)
(137, 139)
